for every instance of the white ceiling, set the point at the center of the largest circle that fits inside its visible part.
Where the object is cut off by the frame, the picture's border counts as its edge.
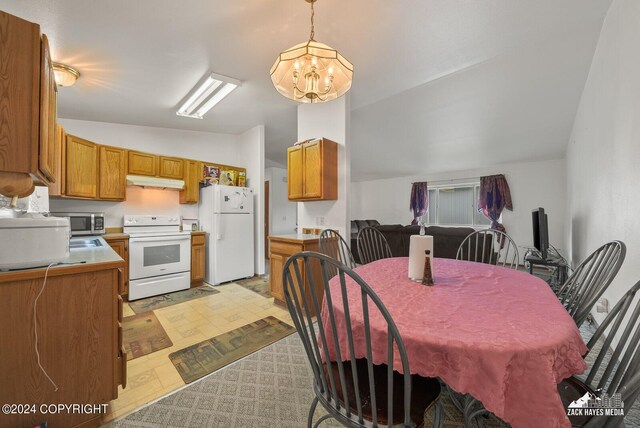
(438, 85)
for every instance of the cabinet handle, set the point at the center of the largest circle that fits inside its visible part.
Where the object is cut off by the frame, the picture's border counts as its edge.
(120, 281)
(120, 303)
(123, 368)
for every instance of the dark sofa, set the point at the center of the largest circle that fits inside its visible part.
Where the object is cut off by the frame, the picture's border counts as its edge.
(446, 240)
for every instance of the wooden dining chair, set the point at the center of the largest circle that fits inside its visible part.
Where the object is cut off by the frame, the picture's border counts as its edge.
(352, 389)
(614, 350)
(489, 246)
(334, 246)
(372, 245)
(589, 281)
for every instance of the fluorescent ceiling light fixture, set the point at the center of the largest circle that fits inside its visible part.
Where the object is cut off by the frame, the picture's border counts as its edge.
(207, 94)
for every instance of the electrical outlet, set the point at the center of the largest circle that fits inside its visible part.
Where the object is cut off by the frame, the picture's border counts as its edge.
(602, 306)
(321, 221)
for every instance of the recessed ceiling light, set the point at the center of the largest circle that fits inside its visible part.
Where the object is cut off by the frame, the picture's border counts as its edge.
(207, 94)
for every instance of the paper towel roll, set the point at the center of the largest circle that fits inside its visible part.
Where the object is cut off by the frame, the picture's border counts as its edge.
(417, 246)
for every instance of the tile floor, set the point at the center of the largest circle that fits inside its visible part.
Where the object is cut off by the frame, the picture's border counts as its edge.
(153, 376)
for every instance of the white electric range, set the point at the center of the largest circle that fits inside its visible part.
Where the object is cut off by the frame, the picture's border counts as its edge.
(159, 255)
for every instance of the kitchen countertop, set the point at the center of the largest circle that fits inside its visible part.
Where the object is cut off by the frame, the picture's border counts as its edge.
(103, 254)
(79, 260)
(295, 237)
(115, 236)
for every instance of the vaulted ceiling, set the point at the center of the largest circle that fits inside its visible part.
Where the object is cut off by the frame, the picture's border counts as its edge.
(438, 85)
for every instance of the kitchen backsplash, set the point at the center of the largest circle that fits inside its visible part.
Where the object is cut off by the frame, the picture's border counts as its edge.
(139, 201)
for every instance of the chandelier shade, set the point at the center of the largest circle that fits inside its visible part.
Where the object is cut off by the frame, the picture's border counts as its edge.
(311, 72)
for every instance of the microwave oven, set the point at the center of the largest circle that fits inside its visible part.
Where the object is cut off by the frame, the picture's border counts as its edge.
(84, 223)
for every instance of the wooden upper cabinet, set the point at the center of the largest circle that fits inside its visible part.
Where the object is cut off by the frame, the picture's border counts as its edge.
(57, 188)
(81, 168)
(48, 100)
(171, 168)
(295, 172)
(142, 164)
(113, 173)
(192, 174)
(20, 53)
(313, 171)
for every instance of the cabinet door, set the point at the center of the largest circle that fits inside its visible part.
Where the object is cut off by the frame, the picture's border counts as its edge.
(171, 168)
(81, 168)
(121, 247)
(294, 172)
(113, 173)
(20, 57)
(276, 266)
(197, 263)
(142, 164)
(57, 187)
(312, 170)
(46, 156)
(191, 192)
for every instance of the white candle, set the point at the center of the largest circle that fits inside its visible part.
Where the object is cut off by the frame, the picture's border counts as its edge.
(417, 246)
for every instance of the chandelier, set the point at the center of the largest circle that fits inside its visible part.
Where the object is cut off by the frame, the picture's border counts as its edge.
(312, 72)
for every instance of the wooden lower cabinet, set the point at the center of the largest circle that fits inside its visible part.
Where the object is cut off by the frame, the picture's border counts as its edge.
(283, 247)
(198, 258)
(79, 341)
(120, 244)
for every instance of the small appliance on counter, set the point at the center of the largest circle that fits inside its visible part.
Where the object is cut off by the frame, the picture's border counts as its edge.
(83, 224)
(32, 240)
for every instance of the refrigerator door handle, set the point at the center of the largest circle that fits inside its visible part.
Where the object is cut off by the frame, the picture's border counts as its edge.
(218, 227)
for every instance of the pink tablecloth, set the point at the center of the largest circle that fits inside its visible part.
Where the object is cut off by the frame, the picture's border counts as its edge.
(498, 334)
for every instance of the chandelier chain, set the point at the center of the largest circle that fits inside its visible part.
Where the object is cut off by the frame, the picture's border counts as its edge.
(313, 30)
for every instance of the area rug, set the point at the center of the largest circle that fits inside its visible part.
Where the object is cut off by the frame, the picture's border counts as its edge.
(143, 334)
(210, 355)
(164, 300)
(257, 284)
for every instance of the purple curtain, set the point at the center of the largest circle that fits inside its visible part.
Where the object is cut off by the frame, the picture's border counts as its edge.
(419, 203)
(494, 197)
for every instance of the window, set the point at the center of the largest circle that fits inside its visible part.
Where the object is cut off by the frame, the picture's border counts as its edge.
(455, 206)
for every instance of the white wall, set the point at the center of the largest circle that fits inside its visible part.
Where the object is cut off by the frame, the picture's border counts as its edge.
(532, 184)
(283, 214)
(329, 120)
(219, 148)
(251, 153)
(603, 152)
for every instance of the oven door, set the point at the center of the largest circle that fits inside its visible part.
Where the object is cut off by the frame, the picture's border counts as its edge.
(159, 255)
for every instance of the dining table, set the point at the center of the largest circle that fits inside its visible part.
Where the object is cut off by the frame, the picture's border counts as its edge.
(498, 334)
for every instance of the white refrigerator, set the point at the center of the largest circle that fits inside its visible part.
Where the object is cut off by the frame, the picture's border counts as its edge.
(226, 214)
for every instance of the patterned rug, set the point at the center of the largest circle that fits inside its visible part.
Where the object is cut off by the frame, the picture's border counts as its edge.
(143, 334)
(270, 388)
(203, 358)
(164, 300)
(257, 284)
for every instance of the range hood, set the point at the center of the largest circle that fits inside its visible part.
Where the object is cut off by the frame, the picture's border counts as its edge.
(154, 182)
